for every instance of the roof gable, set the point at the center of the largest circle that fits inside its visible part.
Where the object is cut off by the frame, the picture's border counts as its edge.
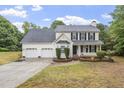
(62, 37)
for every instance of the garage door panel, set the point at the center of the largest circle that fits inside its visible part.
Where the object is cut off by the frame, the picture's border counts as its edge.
(35, 53)
(47, 52)
(31, 53)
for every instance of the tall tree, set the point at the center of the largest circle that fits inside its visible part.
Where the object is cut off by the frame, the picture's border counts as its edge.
(10, 36)
(28, 25)
(56, 23)
(117, 29)
(45, 28)
(105, 37)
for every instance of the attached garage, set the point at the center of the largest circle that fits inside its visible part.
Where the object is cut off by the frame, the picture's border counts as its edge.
(31, 52)
(35, 53)
(38, 43)
(47, 52)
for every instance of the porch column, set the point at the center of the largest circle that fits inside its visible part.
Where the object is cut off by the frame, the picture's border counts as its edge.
(79, 50)
(86, 36)
(78, 35)
(71, 50)
(100, 47)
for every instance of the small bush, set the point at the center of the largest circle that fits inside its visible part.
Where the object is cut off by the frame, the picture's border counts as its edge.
(4, 49)
(109, 53)
(58, 53)
(66, 50)
(101, 54)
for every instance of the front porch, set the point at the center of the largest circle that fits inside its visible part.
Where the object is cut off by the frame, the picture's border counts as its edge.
(88, 50)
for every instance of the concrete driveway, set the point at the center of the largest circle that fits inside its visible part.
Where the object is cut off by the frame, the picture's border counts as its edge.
(16, 73)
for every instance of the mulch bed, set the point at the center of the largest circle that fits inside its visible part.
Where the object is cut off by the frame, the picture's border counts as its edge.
(95, 59)
(62, 60)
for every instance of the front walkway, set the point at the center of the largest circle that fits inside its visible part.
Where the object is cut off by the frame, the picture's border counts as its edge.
(16, 73)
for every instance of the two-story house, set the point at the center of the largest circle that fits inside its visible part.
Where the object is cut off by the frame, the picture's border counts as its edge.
(81, 39)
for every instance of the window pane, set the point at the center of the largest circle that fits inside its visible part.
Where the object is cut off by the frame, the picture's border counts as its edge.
(92, 48)
(82, 36)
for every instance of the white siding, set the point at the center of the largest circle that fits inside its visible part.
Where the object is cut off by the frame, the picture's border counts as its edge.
(96, 36)
(67, 34)
(38, 46)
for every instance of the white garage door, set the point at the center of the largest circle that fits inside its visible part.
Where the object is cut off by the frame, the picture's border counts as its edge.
(31, 53)
(47, 52)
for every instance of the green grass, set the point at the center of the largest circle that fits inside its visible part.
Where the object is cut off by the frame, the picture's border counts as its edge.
(6, 57)
(84, 74)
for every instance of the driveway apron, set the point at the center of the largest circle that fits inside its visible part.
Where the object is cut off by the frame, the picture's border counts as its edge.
(16, 73)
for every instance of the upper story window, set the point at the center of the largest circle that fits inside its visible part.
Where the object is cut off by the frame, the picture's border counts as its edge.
(91, 36)
(74, 36)
(82, 36)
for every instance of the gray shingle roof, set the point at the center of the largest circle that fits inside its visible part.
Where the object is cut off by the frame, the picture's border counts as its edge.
(39, 36)
(98, 42)
(74, 28)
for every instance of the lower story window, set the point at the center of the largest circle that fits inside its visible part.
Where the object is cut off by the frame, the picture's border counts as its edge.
(81, 48)
(93, 48)
(86, 48)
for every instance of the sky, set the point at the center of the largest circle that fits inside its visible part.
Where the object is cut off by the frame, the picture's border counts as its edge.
(45, 15)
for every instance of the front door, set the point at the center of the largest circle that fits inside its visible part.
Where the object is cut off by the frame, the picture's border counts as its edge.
(74, 50)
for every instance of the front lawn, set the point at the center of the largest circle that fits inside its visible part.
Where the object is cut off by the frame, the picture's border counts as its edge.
(83, 74)
(6, 57)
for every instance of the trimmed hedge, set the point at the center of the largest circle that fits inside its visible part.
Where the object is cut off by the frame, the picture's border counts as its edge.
(67, 51)
(4, 49)
(58, 53)
(101, 54)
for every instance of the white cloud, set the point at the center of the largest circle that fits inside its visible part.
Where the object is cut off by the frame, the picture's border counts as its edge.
(106, 16)
(36, 8)
(14, 12)
(18, 25)
(46, 19)
(20, 7)
(75, 20)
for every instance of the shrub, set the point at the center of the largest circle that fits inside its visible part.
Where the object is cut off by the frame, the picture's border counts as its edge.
(4, 49)
(109, 53)
(66, 50)
(101, 54)
(58, 53)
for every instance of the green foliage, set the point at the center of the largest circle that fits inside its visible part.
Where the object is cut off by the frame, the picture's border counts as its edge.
(45, 28)
(10, 36)
(4, 49)
(109, 53)
(67, 51)
(117, 29)
(56, 23)
(27, 26)
(101, 54)
(58, 53)
(105, 37)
